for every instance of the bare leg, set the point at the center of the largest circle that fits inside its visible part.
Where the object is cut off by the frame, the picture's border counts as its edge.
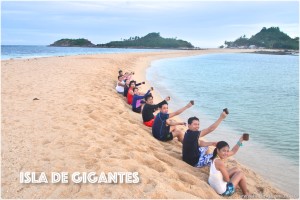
(177, 133)
(238, 178)
(232, 171)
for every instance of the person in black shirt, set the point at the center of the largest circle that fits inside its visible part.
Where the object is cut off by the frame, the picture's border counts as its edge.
(150, 108)
(194, 149)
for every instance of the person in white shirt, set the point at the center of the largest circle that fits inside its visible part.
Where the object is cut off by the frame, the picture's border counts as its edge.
(120, 85)
(222, 180)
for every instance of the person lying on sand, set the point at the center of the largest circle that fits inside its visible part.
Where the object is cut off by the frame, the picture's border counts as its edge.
(150, 108)
(193, 149)
(223, 180)
(164, 128)
(136, 101)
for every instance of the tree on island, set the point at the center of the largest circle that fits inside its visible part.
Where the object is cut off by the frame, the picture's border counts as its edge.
(271, 38)
(151, 40)
(81, 42)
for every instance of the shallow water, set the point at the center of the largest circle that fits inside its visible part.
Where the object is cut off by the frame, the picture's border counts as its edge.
(262, 95)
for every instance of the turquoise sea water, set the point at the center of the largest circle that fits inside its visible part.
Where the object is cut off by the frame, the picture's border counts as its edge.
(28, 51)
(262, 95)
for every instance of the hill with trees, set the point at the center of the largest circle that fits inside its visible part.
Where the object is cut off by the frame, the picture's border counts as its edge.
(151, 40)
(271, 38)
(73, 43)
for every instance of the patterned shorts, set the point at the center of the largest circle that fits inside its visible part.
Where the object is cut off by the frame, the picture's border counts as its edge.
(204, 159)
(229, 189)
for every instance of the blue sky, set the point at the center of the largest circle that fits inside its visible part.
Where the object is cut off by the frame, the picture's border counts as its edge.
(203, 23)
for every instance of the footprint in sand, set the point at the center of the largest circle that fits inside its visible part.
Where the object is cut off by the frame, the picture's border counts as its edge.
(91, 164)
(46, 142)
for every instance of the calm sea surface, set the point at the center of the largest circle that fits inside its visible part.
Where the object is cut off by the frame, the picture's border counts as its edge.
(27, 51)
(262, 95)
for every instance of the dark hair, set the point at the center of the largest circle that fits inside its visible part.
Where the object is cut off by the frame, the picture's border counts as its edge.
(119, 76)
(219, 146)
(191, 119)
(161, 105)
(120, 71)
(131, 83)
(148, 96)
(135, 88)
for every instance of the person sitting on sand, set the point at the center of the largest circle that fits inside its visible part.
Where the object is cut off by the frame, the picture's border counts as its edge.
(130, 93)
(150, 108)
(164, 128)
(136, 100)
(126, 87)
(120, 85)
(222, 180)
(193, 149)
(126, 76)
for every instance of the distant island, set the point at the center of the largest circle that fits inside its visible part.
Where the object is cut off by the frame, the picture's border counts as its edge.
(271, 38)
(72, 43)
(151, 40)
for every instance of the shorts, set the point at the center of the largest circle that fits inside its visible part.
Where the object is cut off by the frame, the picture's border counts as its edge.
(229, 189)
(204, 159)
(149, 123)
(137, 110)
(167, 137)
(121, 92)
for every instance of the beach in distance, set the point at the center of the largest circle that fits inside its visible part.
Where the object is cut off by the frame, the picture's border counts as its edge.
(63, 114)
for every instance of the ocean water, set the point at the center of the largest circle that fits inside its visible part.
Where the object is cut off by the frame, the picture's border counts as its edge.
(28, 51)
(262, 95)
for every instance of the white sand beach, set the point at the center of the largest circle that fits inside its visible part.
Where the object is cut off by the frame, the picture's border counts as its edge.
(81, 124)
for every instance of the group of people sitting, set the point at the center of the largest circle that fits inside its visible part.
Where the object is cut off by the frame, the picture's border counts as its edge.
(194, 150)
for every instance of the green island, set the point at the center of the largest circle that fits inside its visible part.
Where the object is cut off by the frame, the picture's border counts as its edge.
(81, 42)
(267, 38)
(151, 40)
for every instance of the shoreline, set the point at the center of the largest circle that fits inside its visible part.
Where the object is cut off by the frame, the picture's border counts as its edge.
(67, 125)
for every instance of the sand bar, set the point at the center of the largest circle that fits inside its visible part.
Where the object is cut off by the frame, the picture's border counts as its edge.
(80, 124)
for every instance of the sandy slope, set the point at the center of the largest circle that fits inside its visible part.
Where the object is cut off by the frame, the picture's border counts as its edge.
(81, 124)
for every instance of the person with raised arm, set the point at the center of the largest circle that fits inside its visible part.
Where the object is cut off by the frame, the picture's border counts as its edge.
(164, 128)
(137, 100)
(224, 181)
(150, 108)
(194, 150)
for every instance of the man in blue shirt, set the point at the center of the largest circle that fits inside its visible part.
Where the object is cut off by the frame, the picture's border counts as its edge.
(164, 128)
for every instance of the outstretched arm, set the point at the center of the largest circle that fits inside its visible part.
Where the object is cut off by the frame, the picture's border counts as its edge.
(180, 110)
(206, 144)
(236, 147)
(214, 125)
(174, 123)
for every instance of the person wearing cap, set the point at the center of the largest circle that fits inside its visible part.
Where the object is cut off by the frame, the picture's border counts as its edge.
(194, 150)
(164, 128)
(149, 108)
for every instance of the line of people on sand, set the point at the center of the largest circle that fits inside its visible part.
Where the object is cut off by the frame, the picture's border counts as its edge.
(194, 150)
